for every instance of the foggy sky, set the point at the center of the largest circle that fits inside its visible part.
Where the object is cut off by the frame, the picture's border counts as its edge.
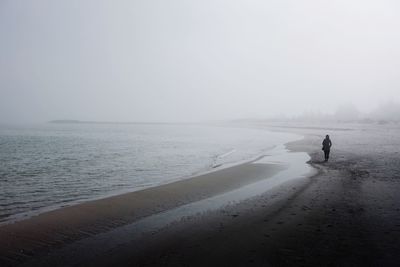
(194, 60)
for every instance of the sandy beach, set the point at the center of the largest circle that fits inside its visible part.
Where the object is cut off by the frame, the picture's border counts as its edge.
(196, 133)
(345, 214)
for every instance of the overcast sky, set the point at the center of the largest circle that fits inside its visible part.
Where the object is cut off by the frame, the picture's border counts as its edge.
(171, 60)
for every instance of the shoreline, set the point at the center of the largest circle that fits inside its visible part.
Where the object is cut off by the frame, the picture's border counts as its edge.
(211, 169)
(22, 210)
(214, 168)
(26, 239)
(345, 215)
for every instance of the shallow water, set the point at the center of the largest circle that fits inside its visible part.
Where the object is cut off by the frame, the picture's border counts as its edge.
(48, 166)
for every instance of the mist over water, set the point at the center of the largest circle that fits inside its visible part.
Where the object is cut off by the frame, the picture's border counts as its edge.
(195, 60)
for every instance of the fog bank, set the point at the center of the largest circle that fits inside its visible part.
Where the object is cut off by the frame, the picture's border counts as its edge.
(174, 61)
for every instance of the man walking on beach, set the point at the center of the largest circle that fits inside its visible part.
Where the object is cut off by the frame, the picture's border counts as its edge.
(326, 147)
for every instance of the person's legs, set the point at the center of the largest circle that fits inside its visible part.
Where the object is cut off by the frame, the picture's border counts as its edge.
(326, 154)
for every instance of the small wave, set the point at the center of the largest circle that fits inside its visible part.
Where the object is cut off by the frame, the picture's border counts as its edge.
(144, 170)
(217, 158)
(217, 165)
(226, 154)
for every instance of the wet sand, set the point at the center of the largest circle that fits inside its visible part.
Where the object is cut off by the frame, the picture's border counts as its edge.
(346, 215)
(32, 238)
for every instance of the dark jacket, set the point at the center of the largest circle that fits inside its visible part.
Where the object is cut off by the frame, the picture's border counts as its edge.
(326, 144)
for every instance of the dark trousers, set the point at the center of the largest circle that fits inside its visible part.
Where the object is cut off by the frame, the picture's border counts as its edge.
(326, 152)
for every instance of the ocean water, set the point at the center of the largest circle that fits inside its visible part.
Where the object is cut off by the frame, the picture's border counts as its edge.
(48, 166)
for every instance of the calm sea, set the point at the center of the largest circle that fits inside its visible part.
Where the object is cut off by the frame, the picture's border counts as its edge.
(48, 166)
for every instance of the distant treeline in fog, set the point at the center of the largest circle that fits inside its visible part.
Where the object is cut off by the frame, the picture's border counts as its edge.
(385, 113)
